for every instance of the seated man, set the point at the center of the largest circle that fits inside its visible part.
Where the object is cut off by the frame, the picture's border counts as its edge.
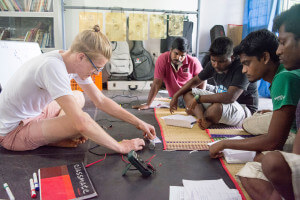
(174, 68)
(235, 98)
(278, 176)
(258, 56)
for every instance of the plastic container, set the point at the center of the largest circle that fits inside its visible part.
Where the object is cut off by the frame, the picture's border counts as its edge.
(96, 78)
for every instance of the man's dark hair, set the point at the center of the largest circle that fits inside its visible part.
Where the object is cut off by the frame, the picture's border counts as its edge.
(181, 44)
(258, 42)
(221, 46)
(290, 19)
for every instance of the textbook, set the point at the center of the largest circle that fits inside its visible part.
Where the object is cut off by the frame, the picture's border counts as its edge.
(237, 156)
(65, 182)
(186, 121)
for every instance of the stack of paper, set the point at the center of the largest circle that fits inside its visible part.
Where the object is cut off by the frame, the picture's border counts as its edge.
(180, 120)
(237, 156)
(203, 190)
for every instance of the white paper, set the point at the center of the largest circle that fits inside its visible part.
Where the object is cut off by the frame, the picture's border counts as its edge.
(163, 91)
(159, 104)
(203, 190)
(156, 140)
(236, 156)
(209, 189)
(176, 193)
(180, 120)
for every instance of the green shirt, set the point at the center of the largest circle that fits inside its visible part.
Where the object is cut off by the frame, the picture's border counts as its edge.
(285, 89)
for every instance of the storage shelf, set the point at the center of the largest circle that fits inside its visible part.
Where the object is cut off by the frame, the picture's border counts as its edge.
(42, 27)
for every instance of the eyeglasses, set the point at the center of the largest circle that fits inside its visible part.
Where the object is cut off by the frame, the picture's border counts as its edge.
(98, 69)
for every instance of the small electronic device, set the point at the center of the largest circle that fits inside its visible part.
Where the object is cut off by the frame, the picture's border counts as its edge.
(150, 144)
(143, 167)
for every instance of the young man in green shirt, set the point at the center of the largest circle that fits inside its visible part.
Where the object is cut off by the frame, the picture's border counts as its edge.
(258, 55)
(278, 177)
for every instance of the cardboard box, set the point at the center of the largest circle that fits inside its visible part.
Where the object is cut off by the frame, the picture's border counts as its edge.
(235, 32)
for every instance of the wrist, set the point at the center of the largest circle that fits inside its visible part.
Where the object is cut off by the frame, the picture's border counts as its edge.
(223, 144)
(139, 124)
(197, 98)
(119, 147)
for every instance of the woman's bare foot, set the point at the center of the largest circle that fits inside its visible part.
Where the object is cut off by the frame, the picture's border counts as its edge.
(203, 123)
(74, 142)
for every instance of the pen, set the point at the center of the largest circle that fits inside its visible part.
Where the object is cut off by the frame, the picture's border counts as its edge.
(33, 194)
(8, 191)
(193, 122)
(35, 181)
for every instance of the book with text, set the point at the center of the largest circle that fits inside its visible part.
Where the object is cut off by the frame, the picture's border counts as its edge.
(186, 121)
(65, 182)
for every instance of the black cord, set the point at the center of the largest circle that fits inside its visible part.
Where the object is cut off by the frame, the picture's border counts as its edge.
(98, 154)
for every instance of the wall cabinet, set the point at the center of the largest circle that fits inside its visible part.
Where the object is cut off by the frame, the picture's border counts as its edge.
(32, 21)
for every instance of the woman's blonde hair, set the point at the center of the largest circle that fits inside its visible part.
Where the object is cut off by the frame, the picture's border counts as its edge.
(92, 42)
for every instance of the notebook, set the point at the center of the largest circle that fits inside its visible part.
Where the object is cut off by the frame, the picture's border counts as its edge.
(180, 120)
(65, 182)
(237, 156)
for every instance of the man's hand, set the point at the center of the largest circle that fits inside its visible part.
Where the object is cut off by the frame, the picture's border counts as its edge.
(215, 150)
(134, 144)
(148, 130)
(173, 104)
(141, 107)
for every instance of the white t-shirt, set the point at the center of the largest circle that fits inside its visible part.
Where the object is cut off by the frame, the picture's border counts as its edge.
(38, 82)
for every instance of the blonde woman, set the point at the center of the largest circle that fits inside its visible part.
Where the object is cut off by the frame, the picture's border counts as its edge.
(39, 108)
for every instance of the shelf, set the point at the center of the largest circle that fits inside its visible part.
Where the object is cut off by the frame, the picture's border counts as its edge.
(26, 14)
(42, 27)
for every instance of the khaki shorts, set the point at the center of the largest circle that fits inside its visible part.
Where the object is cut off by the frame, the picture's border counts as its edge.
(28, 135)
(233, 114)
(258, 123)
(254, 170)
